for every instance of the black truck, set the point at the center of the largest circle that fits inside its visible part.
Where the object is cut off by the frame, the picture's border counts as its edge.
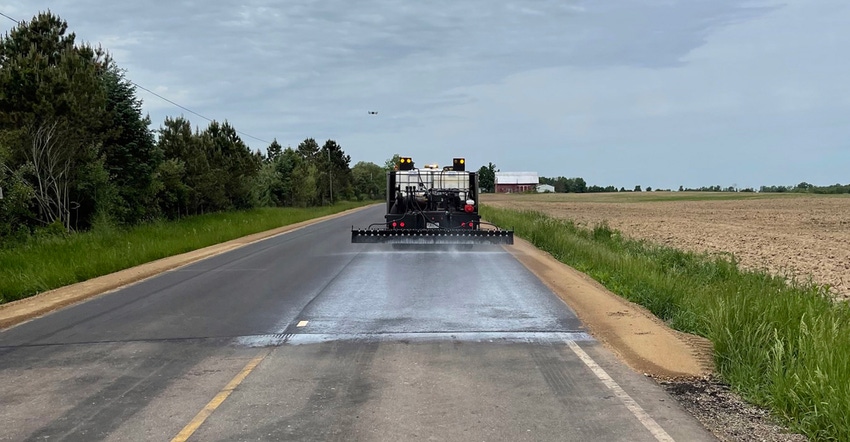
(432, 205)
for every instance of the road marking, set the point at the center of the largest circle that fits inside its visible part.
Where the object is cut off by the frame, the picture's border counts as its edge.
(302, 323)
(630, 403)
(202, 415)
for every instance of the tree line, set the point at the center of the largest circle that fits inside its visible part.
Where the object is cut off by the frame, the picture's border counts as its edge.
(805, 187)
(578, 185)
(76, 149)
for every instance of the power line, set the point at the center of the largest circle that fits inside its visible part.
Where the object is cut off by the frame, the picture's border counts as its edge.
(191, 111)
(166, 99)
(10, 18)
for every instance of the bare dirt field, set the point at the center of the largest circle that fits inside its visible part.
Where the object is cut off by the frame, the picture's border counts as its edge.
(799, 236)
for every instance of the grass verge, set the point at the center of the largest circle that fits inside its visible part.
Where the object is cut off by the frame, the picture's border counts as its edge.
(781, 344)
(48, 262)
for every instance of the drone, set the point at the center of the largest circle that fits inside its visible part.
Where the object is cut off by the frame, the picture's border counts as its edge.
(373, 112)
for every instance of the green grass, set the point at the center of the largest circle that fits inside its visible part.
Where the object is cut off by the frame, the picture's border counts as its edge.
(48, 262)
(782, 344)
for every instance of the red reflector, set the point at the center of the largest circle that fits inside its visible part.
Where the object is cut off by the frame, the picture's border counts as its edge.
(469, 208)
(463, 224)
(402, 224)
(395, 224)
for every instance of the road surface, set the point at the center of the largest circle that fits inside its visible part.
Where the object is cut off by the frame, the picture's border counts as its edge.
(305, 336)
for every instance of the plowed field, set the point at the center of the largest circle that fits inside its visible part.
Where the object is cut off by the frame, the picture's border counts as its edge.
(797, 236)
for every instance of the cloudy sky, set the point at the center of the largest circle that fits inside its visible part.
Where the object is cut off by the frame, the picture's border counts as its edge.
(659, 93)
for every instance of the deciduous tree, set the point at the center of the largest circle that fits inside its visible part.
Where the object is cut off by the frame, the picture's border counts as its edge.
(392, 162)
(487, 177)
(369, 180)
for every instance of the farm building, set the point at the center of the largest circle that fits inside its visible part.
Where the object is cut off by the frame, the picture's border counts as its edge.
(515, 182)
(545, 188)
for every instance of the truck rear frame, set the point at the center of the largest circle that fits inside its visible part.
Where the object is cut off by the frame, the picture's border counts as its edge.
(432, 206)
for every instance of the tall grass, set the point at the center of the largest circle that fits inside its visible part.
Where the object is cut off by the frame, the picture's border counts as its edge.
(781, 344)
(52, 261)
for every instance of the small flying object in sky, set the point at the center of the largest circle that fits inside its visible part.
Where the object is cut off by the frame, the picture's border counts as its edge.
(373, 112)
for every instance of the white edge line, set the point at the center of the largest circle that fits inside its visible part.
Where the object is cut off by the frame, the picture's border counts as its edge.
(630, 403)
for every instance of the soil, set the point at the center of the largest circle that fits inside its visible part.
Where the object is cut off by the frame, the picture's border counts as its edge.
(802, 237)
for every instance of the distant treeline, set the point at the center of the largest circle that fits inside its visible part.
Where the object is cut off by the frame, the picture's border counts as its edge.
(76, 150)
(805, 187)
(579, 185)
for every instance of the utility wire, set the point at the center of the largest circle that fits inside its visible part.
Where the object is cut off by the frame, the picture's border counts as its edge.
(10, 18)
(191, 111)
(166, 99)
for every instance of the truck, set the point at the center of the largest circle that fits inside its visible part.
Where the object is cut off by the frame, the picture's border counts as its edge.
(432, 205)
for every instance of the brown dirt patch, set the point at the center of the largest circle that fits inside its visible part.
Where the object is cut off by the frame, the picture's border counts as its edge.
(803, 237)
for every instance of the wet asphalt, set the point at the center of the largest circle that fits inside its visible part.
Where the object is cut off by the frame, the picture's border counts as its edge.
(351, 342)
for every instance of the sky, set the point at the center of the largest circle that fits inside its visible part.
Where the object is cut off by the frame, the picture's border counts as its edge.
(657, 93)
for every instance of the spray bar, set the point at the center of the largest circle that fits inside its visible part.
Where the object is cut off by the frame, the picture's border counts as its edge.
(431, 236)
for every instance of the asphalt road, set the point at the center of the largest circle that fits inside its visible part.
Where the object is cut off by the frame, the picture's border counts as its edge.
(305, 336)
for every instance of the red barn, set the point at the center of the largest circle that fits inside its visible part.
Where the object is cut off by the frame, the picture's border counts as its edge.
(516, 182)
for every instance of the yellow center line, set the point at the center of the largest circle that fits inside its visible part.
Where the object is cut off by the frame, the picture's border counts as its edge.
(216, 401)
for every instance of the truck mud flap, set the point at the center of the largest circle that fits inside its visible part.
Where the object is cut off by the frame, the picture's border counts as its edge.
(431, 236)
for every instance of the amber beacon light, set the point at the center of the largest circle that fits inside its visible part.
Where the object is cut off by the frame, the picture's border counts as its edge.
(459, 165)
(405, 163)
